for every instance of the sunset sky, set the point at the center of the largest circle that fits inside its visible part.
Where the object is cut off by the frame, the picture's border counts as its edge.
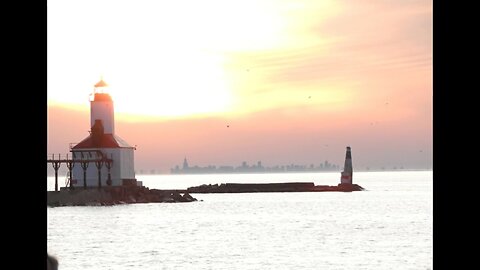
(294, 81)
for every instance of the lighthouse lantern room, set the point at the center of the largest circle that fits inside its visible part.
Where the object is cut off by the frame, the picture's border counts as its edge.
(102, 145)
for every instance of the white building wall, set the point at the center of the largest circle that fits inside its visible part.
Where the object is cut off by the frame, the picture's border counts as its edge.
(103, 110)
(127, 171)
(122, 168)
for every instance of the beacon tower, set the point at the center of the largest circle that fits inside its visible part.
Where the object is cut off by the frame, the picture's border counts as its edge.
(102, 143)
(347, 169)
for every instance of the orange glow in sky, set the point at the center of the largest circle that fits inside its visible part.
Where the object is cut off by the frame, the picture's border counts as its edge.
(180, 58)
(346, 65)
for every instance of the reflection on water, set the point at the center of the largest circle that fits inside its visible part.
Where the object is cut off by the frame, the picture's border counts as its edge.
(389, 226)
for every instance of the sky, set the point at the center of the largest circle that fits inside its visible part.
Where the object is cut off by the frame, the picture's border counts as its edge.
(222, 81)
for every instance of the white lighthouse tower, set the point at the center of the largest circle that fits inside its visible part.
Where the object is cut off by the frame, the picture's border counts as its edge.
(102, 143)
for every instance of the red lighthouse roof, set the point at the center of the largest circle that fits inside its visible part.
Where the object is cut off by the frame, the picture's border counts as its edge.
(99, 139)
(105, 141)
(101, 83)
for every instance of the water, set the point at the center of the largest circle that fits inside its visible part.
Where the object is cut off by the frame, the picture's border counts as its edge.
(389, 226)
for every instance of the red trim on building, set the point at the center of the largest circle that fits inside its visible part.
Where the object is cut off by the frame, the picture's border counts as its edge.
(106, 141)
(102, 97)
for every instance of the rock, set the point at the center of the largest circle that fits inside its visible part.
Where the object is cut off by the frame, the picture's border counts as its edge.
(142, 199)
(112, 196)
(168, 200)
(187, 197)
(177, 197)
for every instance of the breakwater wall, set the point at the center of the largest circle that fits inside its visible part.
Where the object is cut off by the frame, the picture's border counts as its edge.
(115, 195)
(272, 187)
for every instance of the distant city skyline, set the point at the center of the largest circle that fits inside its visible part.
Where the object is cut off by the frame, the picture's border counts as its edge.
(246, 168)
(324, 166)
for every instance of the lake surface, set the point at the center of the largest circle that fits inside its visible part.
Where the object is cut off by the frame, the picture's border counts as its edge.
(388, 226)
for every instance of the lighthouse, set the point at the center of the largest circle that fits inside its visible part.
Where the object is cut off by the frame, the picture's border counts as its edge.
(102, 158)
(347, 169)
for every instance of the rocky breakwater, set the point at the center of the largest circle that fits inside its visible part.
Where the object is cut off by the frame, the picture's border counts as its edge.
(115, 195)
(339, 187)
(272, 187)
